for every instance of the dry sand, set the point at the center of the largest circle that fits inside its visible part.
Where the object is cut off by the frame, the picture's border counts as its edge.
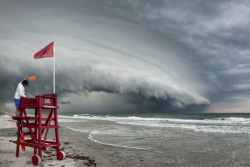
(8, 151)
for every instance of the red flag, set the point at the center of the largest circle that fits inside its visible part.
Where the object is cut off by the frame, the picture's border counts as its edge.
(22, 140)
(45, 52)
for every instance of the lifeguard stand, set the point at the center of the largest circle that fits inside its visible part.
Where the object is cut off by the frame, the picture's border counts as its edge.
(38, 124)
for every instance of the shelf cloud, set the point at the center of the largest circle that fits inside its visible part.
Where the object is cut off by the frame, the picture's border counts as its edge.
(146, 56)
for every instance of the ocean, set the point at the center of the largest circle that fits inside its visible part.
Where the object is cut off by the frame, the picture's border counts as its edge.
(203, 139)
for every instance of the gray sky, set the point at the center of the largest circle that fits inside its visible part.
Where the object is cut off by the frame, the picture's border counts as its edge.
(129, 55)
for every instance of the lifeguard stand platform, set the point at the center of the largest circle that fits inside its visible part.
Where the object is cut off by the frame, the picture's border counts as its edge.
(39, 122)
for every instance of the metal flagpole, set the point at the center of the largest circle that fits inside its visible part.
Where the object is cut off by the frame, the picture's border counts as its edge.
(54, 70)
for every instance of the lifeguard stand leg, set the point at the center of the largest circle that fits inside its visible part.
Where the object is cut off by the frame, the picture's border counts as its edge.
(56, 131)
(39, 132)
(35, 131)
(18, 138)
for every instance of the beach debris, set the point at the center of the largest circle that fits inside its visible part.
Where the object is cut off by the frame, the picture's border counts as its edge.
(66, 143)
(90, 162)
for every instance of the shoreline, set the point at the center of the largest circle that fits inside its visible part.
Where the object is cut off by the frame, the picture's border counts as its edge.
(80, 151)
(167, 146)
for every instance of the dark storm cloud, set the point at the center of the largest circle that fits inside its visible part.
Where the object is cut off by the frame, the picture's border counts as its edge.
(152, 55)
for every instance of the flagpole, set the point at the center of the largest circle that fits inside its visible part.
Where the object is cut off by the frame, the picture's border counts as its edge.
(54, 70)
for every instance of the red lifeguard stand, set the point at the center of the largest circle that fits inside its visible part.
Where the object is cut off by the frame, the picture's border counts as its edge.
(44, 118)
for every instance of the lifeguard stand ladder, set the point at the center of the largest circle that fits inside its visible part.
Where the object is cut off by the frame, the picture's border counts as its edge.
(38, 125)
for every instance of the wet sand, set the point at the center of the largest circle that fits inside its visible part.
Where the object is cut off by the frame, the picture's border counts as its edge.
(80, 151)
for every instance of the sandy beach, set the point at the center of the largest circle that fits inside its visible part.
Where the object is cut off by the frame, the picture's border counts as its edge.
(100, 142)
(80, 151)
(8, 156)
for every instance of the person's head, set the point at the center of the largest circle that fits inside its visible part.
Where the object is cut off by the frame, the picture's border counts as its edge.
(25, 83)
